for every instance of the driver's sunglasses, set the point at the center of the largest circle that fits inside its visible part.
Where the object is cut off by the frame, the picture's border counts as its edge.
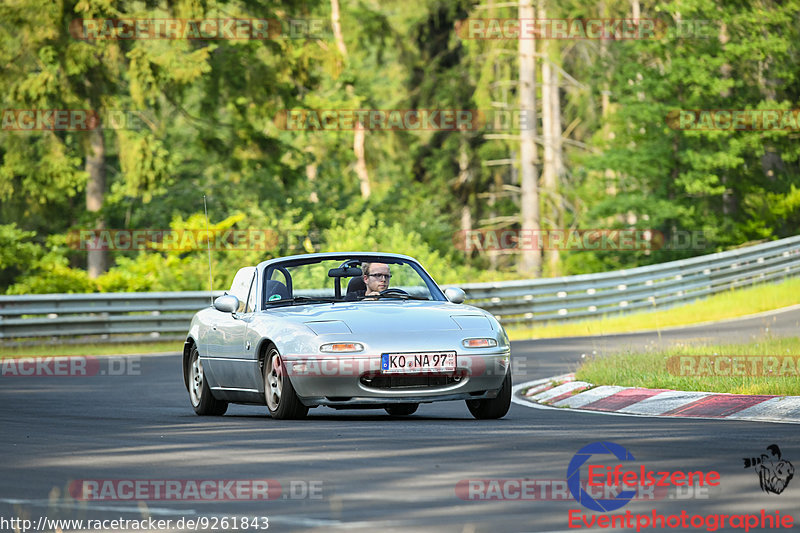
(381, 276)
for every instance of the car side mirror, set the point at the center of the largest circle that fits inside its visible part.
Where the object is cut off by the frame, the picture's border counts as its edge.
(227, 303)
(455, 295)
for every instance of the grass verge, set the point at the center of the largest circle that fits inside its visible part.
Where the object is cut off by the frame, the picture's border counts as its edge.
(730, 304)
(51, 350)
(665, 369)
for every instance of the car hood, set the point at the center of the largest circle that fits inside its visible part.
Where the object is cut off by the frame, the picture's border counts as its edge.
(390, 316)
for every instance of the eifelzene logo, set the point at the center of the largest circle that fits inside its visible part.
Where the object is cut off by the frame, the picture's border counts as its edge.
(618, 477)
(774, 472)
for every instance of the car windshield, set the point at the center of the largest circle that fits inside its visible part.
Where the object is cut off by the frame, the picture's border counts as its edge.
(305, 281)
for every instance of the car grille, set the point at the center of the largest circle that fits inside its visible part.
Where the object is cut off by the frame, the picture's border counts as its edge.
(412, 381)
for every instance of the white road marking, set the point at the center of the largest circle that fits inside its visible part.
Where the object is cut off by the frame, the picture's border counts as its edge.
(589, 396)
(558, 391)
(663, 402)
(773, 409)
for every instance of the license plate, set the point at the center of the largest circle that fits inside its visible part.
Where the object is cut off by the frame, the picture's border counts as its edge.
(403, 363)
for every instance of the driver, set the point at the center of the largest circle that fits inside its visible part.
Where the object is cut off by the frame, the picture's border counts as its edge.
(376, 278)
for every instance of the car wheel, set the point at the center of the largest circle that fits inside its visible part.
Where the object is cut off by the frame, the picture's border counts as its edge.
(282, 401)
(200, 395)
(402, 409)
(493, 407)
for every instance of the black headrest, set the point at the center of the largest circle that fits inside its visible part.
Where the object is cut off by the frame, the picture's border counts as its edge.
(356, 284)
(276, 291)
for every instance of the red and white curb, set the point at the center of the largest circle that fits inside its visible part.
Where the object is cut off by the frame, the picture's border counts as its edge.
(564, 392)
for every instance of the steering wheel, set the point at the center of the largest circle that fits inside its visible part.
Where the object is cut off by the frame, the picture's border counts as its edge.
(393, 292)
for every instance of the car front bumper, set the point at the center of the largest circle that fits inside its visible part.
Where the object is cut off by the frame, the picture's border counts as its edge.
(357, 380)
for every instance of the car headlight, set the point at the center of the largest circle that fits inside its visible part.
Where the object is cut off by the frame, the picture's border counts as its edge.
(341, 347)
(483, 342)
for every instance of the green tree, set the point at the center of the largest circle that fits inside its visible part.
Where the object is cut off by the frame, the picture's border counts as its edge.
(674, 180)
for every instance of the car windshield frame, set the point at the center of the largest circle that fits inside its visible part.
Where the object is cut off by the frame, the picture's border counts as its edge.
(437, 295)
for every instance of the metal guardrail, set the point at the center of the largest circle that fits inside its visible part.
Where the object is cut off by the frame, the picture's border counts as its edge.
(147, 314)
(650, 287)
(166, 315)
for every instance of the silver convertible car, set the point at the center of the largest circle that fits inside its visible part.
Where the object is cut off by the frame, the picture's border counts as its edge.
(349, 331)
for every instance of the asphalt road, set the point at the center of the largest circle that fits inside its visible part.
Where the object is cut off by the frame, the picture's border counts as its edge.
(362, 470)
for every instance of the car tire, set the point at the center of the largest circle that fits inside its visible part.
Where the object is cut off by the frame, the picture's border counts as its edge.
(492, 408)
(200, 395)
(279, 394)
(402, 409)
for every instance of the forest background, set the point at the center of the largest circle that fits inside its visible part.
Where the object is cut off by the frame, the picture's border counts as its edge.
(575, 133)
